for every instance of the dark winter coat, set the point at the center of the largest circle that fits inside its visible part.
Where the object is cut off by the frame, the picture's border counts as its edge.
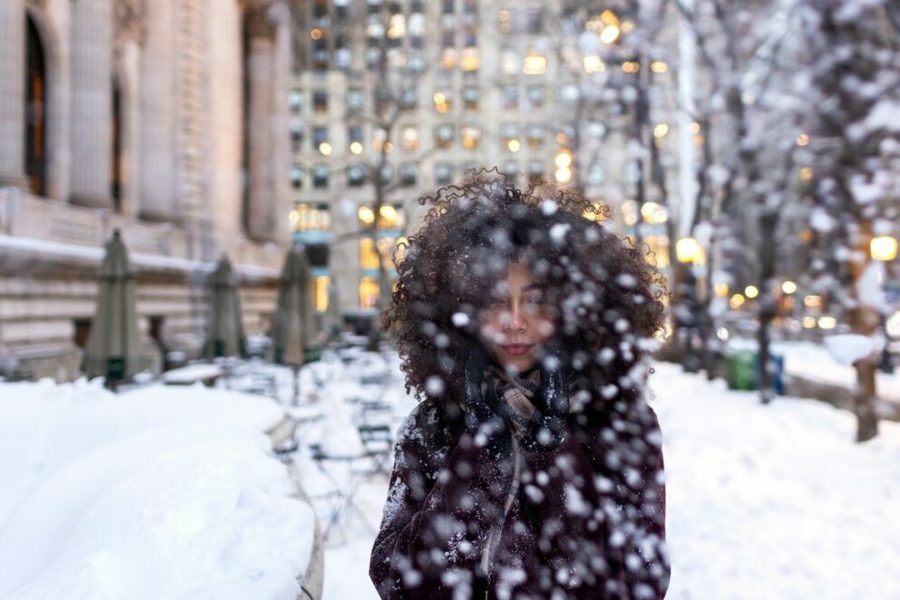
(586, 520)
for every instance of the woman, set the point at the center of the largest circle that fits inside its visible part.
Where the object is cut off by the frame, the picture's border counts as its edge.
(532, 466)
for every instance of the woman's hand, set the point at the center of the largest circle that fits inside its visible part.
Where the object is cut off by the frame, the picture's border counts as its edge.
(483, 419)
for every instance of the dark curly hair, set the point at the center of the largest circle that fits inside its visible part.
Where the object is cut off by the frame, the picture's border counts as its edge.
(607, 296)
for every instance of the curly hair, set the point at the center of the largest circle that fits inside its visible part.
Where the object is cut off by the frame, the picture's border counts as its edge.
(608, 298)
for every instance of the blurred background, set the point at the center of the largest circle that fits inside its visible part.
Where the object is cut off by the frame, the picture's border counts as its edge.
(751, 147)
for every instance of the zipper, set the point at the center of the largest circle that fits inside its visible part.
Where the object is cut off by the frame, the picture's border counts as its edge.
(493, 539)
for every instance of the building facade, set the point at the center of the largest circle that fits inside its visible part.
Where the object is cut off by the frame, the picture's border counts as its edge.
(164, 119)
(471, 84)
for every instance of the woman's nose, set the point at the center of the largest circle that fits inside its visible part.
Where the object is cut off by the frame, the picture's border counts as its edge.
(515, 320)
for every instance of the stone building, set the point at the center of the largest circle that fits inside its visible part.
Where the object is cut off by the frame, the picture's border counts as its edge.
(165, 119)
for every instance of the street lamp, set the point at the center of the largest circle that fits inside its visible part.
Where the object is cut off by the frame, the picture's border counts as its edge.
(687, 250)
(883, 248)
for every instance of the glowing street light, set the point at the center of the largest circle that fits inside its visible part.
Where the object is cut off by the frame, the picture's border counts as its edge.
(687, 250)
(883, 248)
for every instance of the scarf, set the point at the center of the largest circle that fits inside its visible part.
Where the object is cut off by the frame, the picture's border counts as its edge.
(515, 396)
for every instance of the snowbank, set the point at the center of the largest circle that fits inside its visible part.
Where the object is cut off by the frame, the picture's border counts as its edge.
(775, 501)
(161, 492)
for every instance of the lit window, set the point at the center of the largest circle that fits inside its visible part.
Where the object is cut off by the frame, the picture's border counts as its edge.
(320, 285)
(471, 137)
(510, 63)
(470, 60)
(355, 138)
(535, 63)
(409, 138)
(310, 217)
(441, 102)
(443, 173)
(368, 292)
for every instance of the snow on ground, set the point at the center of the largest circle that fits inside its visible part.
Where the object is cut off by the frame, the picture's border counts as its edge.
(763, 501)
(816, 363)
(176, 487)
(163, 492)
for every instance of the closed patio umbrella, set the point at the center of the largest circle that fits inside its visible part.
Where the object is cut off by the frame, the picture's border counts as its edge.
(112, 348)
(225, 328)
(293, 332)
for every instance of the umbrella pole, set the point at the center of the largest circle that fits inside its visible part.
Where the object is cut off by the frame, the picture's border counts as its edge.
(296, 396)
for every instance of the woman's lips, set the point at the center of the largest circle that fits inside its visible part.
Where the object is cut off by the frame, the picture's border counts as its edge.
(516, 349)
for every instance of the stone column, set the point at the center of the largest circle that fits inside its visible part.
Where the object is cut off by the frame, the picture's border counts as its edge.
(12, 93)
(281, 198)
(260, 78)
(129, 36)
(91, 113)
(156, 183)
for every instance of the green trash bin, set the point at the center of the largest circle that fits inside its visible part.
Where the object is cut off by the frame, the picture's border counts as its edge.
(740, 370)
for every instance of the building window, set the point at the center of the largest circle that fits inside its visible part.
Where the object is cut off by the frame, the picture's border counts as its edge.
(408, 174)
(510, 62)
(536, 95)
(408, 99)
(449, 7)
(320, 176)
(443, 135)
(343, 58)
(341, 9)
(320, 9)
(356, 175)
(319, 137)
(470, 136)
(368, 292)
(296, 136)
(355, 100)
(310, 217)
(471, 95)
(35, 110)
(536, 135)
(321, 285)
(390, 218)
(595, 175)
(320, 101)
(409, 138)
(355, 141)
(296, 177)
(387, 174)
(443, 173)
(509, 96)
(535, 171)
(470, 60)
(511, 170)
(442, 102)
(295, 101)
(374, 6)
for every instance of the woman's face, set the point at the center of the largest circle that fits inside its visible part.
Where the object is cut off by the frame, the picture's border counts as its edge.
(517, 321)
